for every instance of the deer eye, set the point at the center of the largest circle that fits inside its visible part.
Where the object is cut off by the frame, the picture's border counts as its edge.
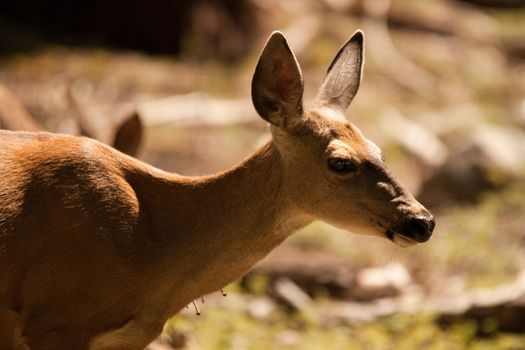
(341, 165)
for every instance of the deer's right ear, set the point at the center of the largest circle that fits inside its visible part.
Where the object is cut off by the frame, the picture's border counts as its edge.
(342, 80)
(277, 85)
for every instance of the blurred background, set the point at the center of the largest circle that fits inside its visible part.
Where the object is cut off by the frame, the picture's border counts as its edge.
(443, 94)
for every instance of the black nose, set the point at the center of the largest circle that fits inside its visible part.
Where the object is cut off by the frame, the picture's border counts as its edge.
(420, 228)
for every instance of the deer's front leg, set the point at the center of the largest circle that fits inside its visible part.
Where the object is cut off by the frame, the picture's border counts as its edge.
(132, 336)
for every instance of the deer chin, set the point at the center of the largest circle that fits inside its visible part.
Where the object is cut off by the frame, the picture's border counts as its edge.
(399, 239)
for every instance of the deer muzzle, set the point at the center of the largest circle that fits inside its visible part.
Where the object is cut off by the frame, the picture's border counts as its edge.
(414, 229)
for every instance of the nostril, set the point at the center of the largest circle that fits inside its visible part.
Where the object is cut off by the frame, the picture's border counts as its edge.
(421, 228)
(419, 225)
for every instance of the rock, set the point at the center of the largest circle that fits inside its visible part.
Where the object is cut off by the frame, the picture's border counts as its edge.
(380, 282)
(315, 270)
(344, 312)
(291, 294)
(311, 269)
(415, 138)
(503, 307)
(261, 308)
(197, 108)
(487, 158)
(393, 274)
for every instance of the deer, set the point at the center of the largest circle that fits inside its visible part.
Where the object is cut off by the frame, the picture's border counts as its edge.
(98, 249)
(127, 125)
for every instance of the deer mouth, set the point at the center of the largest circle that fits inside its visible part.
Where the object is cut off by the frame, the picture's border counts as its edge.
(400, 239)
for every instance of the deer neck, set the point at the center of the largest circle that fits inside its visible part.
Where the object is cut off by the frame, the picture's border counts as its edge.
(214, 229)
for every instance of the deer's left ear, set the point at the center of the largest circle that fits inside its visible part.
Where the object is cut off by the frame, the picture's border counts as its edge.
(277, 85)
(343, 77)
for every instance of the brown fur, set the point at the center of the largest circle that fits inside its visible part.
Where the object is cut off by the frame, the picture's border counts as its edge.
(98, 249)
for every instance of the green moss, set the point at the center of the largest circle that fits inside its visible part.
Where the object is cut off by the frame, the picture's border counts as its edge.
(232, 329)
(256, 284)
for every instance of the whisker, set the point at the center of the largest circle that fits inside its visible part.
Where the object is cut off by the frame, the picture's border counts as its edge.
(197, 311)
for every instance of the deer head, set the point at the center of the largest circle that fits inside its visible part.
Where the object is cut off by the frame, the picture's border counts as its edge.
(332, 171)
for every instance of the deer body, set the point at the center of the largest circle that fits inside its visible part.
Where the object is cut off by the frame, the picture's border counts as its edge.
(98, 250)
(144, 229)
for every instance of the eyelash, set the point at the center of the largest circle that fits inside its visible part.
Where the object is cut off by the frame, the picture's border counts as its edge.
(341, 165)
